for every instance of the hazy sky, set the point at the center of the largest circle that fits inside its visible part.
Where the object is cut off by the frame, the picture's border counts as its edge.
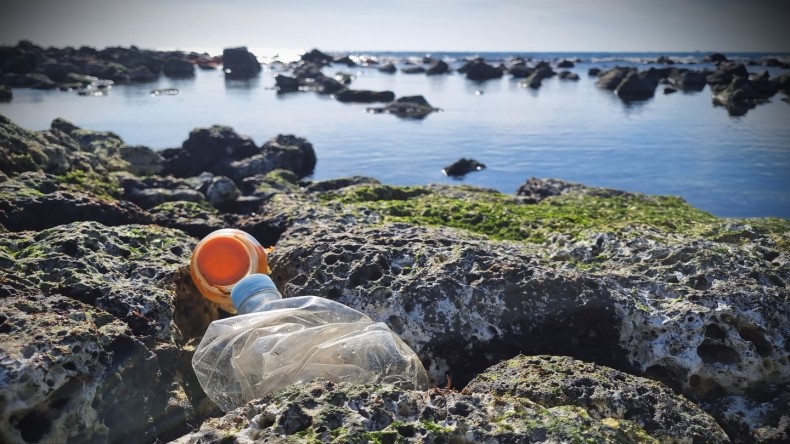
(420, 25)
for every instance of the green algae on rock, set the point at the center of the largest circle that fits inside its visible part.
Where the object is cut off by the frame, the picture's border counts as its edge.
(507, 217)
(320, 411)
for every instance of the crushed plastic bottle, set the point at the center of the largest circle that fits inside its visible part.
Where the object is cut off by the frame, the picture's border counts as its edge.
(276, 342)
(223, 258)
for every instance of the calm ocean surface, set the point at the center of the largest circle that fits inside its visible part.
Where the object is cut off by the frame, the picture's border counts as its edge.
(676, 144)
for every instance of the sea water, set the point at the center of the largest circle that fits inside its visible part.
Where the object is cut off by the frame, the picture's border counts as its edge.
(677, 144)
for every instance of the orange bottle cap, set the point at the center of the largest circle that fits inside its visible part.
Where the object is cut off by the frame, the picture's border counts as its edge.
(223, 258)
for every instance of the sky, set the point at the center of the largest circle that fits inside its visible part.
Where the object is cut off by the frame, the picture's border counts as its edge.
(404, 25)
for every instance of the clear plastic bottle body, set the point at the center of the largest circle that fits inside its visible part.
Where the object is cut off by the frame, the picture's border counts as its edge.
(294, 340)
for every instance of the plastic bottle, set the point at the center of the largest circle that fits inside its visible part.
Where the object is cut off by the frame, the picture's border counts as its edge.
(276, 342)
(223, 258)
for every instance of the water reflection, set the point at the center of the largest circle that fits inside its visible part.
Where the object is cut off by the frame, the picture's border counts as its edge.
(242, 84)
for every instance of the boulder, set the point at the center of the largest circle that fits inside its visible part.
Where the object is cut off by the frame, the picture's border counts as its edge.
(290, 153)
(23, 62)
(143, 161)
(479, 70)
(364, 96)
(716, 58)
(142, 74)
(179, 68)
(413, 70)
(519, 70)
(462, 167)
(317, 57)
(109, 71)
(205, 148)
(345, 60)
(409, 107)
(688, 80)
(239, 63)
(58, 71)
(222, 191)
(285, 83)
(32, 80)
(593, 72)
(565, 64)
(612, 78)
(535, 79)
(388, 68)
(636, 86)
(535, 190)
(438, 67)
(567, 75)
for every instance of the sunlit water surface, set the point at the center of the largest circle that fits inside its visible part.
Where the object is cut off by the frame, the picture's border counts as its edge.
(676, 144)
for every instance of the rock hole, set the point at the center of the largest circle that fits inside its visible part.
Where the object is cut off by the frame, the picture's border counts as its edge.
(364, 274)
(663, 374)
(396, 324)
(695, 381)
(333, 293)
(266, 420)
(713, 331)
(33, 426)
(753, 334)
(717, 354)
(330, 259)
(70, 248)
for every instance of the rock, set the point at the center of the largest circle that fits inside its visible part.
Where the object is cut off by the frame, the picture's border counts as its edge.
(6, 94)
(688, 80)
(604, 393)
(142, 74)
(438, 67)
(388, 68)
(743, 94)
(519, 70)
(36, 201)
(345, 60)
(364, 96)
(151, 197)
(204, 148)
(664, 60)
(285, 83)
(462, 167)
(413, 70)
(22, 150)
(179, 68)
(565, 64)
(109, 71)
(479, 70)
(31, 80)
(611, 79)
(408, 107)
(716, 58)
(593, 72)
(58, 71)
(567, 75)
(782, 83)
(290, 153)
(239, 63)
(317, 57)
(327, 412)
(143, 161)
(535, 79)
(89, 331)
(535, 190)
(726, 73)
(635, 87)
(669, 90)
(23, 62)
(222, 191)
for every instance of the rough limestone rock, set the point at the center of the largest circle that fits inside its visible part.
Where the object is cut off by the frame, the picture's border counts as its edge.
(364, 96)
(34, 201)
(672, 294)
(526, 399)
(92, 319)
(604, 393)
